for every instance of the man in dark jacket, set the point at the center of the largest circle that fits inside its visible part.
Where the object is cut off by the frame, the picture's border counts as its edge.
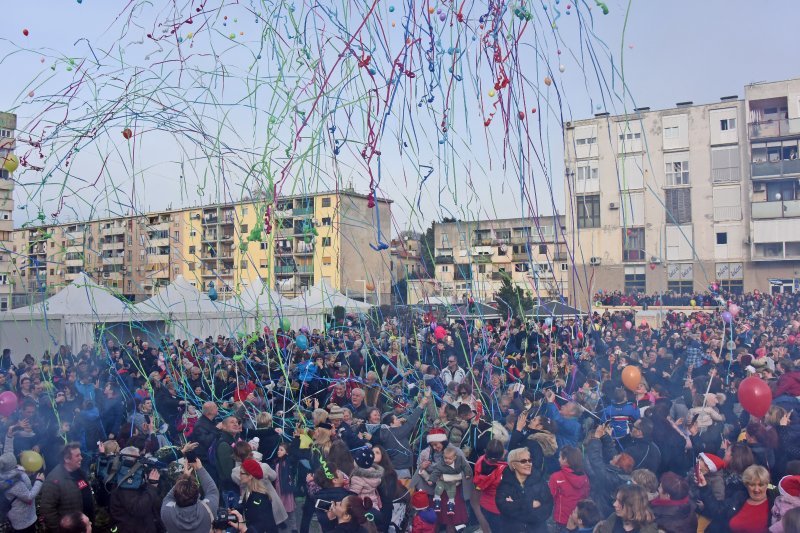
(644, 451)
(606, 476)
(395, 435)
(66, 489)
(205, 431)
(113, 411)
(137, 510)
(231, 427)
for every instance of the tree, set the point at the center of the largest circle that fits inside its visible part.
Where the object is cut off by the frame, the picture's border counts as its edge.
(512, 298)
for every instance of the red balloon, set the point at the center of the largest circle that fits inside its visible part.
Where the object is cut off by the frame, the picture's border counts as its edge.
(755, 396)
(127, 133)
(439, 333)
(25, 32)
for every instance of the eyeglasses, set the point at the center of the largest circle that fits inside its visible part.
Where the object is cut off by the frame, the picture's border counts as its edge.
(523, 461)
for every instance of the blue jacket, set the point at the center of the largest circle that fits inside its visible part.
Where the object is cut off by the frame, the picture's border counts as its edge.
(569, 429)
(620, 416)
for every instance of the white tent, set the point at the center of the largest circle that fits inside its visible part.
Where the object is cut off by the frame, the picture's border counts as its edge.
(322, 298)
(68, 317)
(258, 298)
(186, 312)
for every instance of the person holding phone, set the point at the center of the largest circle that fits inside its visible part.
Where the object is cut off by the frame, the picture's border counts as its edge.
(182, 509)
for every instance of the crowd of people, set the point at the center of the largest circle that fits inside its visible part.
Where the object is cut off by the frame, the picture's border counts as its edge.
(588, 423)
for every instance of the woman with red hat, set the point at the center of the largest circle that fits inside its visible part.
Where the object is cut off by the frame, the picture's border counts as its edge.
(256, 505)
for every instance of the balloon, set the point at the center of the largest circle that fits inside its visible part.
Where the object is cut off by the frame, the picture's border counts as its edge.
(631, 377)
(727, 317)
(439, 333)
(8, 403)
(302, 342)
(25, 32)
(478, 323)
(628, 324)
(755, 396)
(562, 68)
(734, 309)
(370, 286)
(11, 162)
(580, 335)
(31, 461)
(284, 324)
(127, 133)
(643, 322)
(693, 303)
(547, 81)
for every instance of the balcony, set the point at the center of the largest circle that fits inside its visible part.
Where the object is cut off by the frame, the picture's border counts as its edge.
(110, 260)
(305, 269)
(770, 129)
(482, 240)
(302, 211)
(283, 251)
(443, 260)
(776, 209)
(157, 259)
(161, 226)
(208, 220)
(482, 259)
(112, 245)
(113, 230)
(500, 276)
(73, 263)
(209, 237)
(226, 238)
(633, 256)
(284, 269)
(560, 256)
(520, 258)
(775, 168)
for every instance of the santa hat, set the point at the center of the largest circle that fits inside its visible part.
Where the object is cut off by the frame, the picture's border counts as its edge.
(790, 486)
(420, 501)
(714, 463)
(437, 435)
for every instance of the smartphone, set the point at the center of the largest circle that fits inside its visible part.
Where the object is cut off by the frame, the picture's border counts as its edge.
(190, 457)
(323, 505)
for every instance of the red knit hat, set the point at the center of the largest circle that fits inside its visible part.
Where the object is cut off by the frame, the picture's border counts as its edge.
(253, 468)
(790, 486)
(437, 435)
(420, 501)
(714, 463)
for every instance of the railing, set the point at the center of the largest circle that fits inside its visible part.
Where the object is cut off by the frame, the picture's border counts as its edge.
(305, 269)
(633, 255)
(443, 260)
(302, 211)
(725, 175)
(733, 212)
(284, 269)
(210, 220)
(482, 258)
(520, 257)
(776, 209)
(482, 241)
(774, 128)
(775, 168)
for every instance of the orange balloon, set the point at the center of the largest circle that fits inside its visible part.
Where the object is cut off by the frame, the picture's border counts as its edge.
(631, 377)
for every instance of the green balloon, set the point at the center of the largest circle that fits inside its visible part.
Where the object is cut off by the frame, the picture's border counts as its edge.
(285, 324)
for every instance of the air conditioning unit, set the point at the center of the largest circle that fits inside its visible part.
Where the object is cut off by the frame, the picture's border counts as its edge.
(106, 274)
(568, 124)
(655, 260)
(613, 205)
(594, 261)
(747, 241)
(759, 186)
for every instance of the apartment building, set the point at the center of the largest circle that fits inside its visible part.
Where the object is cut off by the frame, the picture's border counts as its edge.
(317, 236)
(473, 257)
(665, 200)
(406, 256)
(8, 127)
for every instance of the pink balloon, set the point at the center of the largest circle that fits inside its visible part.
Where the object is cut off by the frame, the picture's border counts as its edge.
(734, 309)
(8, 403)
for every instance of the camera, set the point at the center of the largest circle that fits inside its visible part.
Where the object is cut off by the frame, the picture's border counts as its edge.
(221, 521)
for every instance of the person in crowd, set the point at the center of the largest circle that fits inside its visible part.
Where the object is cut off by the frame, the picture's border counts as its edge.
(424, 517)
(569, 485)
(673, 510)
(137, 509)
(256, 506)
(605, 476)
(189, 507)
(226, 460)
(487, 476)
(740, 512)
(632, 512)
(352, 515)
(20, 493)
(584, 518)
(74, 522)
(523, 497)
(67, 489)
(446, 475)
(242, 451)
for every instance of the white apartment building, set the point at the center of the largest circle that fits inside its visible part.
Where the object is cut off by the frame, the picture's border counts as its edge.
(8, 126)
(681, 198)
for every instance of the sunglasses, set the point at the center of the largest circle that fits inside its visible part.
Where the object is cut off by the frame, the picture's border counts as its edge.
(524, 461)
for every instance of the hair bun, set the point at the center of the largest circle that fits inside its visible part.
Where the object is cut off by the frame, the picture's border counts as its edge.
(367, 503)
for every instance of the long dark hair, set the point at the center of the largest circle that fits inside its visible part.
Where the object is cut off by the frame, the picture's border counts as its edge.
(573, 457)
(390, 478)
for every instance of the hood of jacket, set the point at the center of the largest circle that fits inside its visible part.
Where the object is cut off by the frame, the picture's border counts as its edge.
(373, 472)
(546, 440)
(577, 481)
(190, 518)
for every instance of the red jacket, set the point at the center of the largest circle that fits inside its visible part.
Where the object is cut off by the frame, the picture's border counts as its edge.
(422, 521)
(567, 488)
(788, 384)
(486, 480)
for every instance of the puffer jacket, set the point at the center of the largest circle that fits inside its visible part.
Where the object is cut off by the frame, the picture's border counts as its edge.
(16, 487)
(365, 482)
(487, 478)
(674, 516)
(61, 494)
(515, 501)
(783, 503)
(567, 488)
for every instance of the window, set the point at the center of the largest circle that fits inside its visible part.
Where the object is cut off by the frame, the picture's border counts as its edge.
(678, 206)
(630, 136)
(263, 245)
(727, 124)
(677, 173)
(633, 244)
(177, 235)
(326, 221)
(445, 241)
(191, 267)
(635, 280)
(326, 201)
(542, 249)
(735, 286)
(588, 211)
(52, 271)
(445, 268)
(586, 141)
(192, 250)
(564, 267)
(481, 269)
(243, 265)
(725, 164)
(543, 267)
(722, 237)
(326, 241)
(5, 133)
(681, 287)
(245, 228)
(192, 233)
(245, 210)
(521, 267)
(130, 285)
(3, 279)
(671, 132)
(586, 172)
(130, 240)
(130, 255)
(326, 261)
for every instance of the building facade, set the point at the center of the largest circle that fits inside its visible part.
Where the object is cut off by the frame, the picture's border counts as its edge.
(665, 200)
(313, 237)
(8, 127)
(474, 257)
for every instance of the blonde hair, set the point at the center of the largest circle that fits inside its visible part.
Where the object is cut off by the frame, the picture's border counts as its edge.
(515, 455)
(755, 473)
(635, 505)
(645, 479)
(264, 420)
(255, 485)
(319, 416)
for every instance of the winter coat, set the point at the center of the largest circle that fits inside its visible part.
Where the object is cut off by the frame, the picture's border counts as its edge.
(515, 502)
(226, 461)
(424, 521)
(674, 516)
(705, 416)
(604, 478)
(721, 511)
(396, 441)
(783, 504)
(257, 512)
(195, 518)
(609, 525)
(16, 487)
(569, 429)
(459, 471)
(365, 482)
(205, 433)
(567, 488)
(268, 441)
(136, 511)
(487, 477)
(645, 453)
(542, 446)
(279, 512)
(788, 385)
(61, 495)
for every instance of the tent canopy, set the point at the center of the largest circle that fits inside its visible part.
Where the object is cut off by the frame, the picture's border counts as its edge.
(554, 309)
(480, 310)
(323, 298)
(180, 296)
(81, 297)
(258, 297)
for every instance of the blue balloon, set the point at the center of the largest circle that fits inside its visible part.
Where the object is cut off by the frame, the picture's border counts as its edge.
(302, 342)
